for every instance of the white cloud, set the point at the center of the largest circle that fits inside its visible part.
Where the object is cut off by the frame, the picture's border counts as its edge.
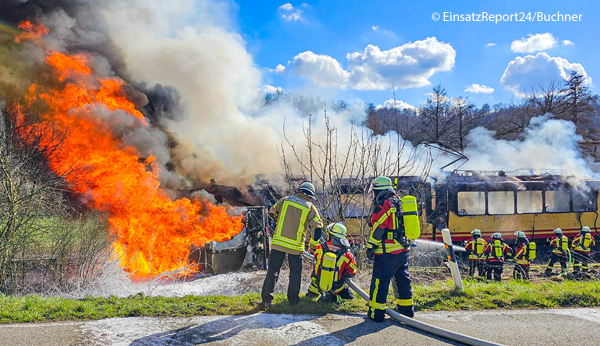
(321, 69)
(525, 73)
(479, 89)
(400, 105)
(534, 43)
(278, 69)
(269, 89)
(567, 43)
(290, 13)
(491, 44)
(406, 66)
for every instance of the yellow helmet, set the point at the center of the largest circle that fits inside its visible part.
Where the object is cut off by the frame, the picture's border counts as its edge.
(337, 229)
(382, 183)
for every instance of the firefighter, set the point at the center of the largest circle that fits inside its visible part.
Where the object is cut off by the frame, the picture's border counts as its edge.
(476, 249)
(560, 250)
(333, 263)
(581, 247)
(496, 251)
(524, 253)
(294, 215)
(394, 222)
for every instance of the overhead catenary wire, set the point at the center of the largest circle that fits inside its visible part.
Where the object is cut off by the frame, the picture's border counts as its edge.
(431, 329)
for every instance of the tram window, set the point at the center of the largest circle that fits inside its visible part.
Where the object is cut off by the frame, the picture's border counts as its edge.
(558, 201)
(501, 202)
(585, 201)
(471, 203)
(529, 202)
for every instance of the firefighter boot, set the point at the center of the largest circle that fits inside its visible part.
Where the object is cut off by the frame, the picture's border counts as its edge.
(408, 311)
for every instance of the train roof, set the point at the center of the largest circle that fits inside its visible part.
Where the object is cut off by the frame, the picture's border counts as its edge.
(506, 180)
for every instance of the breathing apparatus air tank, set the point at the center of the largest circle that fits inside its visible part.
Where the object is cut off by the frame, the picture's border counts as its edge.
(412, 229)
(327, 271)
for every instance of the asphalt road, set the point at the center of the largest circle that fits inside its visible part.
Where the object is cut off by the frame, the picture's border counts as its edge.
(579, 327)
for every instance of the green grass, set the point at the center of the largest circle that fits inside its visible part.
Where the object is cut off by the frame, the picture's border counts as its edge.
(440, 296)
(508, 295)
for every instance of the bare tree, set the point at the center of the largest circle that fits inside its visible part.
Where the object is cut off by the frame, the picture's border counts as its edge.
(578, 104)
(342, 165)
(437, 121)
(462, 111)
(547, 99)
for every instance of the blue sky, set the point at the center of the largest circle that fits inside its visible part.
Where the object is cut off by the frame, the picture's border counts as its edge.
(277, 31)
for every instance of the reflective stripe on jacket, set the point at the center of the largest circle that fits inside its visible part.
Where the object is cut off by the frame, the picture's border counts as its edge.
(581, 244)
(521, 255)
(490, 251)
(346, 264)
(294, 214)
(560, 245)
(476, 247)
(384, 219)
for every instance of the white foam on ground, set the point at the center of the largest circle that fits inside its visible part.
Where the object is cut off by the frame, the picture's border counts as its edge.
(115, 282)
(258, 329)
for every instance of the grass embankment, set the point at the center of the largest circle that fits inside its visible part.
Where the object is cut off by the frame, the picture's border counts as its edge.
(440, 296)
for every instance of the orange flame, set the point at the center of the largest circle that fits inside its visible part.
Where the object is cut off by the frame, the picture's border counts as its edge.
(154, 233)
(31, 31)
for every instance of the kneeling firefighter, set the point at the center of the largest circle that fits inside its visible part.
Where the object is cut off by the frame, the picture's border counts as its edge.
(395, 223)
(333, 263)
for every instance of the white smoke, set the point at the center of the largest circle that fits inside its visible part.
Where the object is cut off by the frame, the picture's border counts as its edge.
(227, 132)
(548, 146)
(185, 44)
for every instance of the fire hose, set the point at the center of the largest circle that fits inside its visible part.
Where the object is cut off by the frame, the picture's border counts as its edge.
(431, 329)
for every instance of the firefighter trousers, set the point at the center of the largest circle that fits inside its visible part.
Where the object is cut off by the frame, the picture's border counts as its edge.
(521, 271)
(495, 269)
(476, 264)
(275, 262)
(556, 258)
(580, 261)
(394, 268)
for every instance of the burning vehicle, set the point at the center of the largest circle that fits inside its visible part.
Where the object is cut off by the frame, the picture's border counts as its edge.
(494, 202)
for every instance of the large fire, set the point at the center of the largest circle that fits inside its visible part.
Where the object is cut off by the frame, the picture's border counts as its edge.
(153, 232)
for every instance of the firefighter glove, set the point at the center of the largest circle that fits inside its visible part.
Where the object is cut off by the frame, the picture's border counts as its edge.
(371, 253)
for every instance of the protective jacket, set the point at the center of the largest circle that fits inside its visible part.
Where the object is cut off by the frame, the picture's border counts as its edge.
(521, 254)
(294, 215)
(496, 250)
(386, 225)
(476, 248)
(560, 245)
(345, 266)
(583, 243)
